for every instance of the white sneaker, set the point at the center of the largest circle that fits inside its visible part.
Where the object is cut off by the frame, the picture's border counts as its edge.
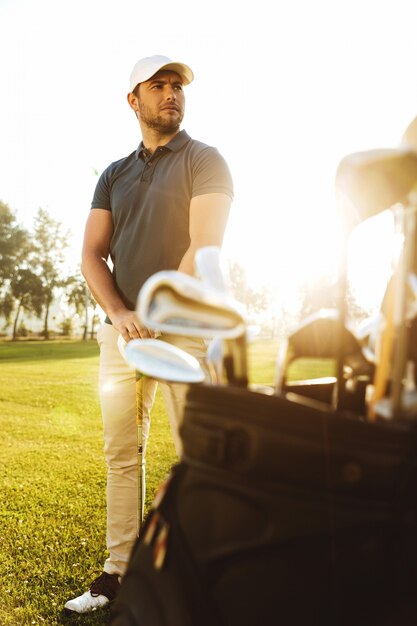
(102, 591)
(86, 603)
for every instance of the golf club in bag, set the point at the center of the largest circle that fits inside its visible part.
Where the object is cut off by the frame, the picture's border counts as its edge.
(287, 508)
(208, 267)
(175, 303)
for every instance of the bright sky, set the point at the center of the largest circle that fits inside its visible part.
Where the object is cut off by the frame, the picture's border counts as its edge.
(283, 89)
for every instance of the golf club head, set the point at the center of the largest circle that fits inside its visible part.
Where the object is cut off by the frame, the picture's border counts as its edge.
(318, 336)
(409, 138)
(409, 142)
(372, 181)
(208, 267)
(161, 361)
(175, 303)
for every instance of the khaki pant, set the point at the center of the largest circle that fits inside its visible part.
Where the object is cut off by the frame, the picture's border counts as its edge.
(118, 406)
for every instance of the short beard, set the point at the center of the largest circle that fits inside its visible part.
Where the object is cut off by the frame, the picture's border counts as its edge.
(157, 122)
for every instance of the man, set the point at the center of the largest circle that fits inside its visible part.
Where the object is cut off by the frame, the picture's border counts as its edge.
(151, 211)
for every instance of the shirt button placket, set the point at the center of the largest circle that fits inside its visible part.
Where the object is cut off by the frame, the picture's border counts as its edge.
(147, 171)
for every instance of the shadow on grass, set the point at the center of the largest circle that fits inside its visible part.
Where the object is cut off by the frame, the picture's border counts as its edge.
(101, 617)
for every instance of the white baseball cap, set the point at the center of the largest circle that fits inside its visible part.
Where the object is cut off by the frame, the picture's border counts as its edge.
(145, 68)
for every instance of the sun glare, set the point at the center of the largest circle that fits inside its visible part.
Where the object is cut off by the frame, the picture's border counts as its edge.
(371, 254)
(286, 259)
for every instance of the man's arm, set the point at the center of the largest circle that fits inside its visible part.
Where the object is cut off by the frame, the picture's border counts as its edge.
(94, 267)
(208, 219)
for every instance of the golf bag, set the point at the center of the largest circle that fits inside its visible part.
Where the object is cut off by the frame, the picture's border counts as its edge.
(280, 512)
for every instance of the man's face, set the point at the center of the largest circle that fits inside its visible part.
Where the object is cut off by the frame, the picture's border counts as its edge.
(161, 102)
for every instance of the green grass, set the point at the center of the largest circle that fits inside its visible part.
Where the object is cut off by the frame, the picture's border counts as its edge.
(52, 514)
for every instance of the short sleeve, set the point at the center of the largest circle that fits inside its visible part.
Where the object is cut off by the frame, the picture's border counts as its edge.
(101, 198)
(211, 174)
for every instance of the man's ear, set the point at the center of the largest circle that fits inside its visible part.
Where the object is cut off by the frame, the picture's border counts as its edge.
(133, 101)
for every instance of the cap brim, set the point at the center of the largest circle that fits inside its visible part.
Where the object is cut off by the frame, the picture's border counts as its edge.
(185, 73)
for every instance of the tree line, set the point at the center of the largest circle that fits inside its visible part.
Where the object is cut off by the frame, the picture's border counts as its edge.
(32, 272)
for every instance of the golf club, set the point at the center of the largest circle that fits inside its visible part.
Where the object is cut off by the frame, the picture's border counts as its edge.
(398, 306)
(209, 268)
(161, 361)
(175, 303)
(140, 379)
(317, 337)
(371, 182)
(215, 360)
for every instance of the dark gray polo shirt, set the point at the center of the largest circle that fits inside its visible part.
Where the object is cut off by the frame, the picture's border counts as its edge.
(149, 198)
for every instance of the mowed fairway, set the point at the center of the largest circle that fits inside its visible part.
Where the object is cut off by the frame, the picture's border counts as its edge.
(52, 514)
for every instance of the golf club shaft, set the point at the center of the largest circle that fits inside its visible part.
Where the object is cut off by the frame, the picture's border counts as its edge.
(232, 355)
(382, 370)
(208, 266)
(140, 380)
(408, 226)
(235, 361)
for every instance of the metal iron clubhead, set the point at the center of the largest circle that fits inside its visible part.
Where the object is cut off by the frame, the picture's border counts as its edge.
(175, 303)
(161, 361)
(409, 138)
(319, 337)
(372, 181)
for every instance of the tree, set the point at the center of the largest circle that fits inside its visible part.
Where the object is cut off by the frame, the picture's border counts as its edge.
(15, 249)
(15, 258)
(27, 290)
(14, 242)
(79, 296)
(49, 245)
(6, 306)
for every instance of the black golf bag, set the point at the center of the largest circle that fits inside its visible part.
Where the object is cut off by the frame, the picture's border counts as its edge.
(280, 512)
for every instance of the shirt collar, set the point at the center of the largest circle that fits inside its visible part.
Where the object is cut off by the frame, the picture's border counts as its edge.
(174, 145)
